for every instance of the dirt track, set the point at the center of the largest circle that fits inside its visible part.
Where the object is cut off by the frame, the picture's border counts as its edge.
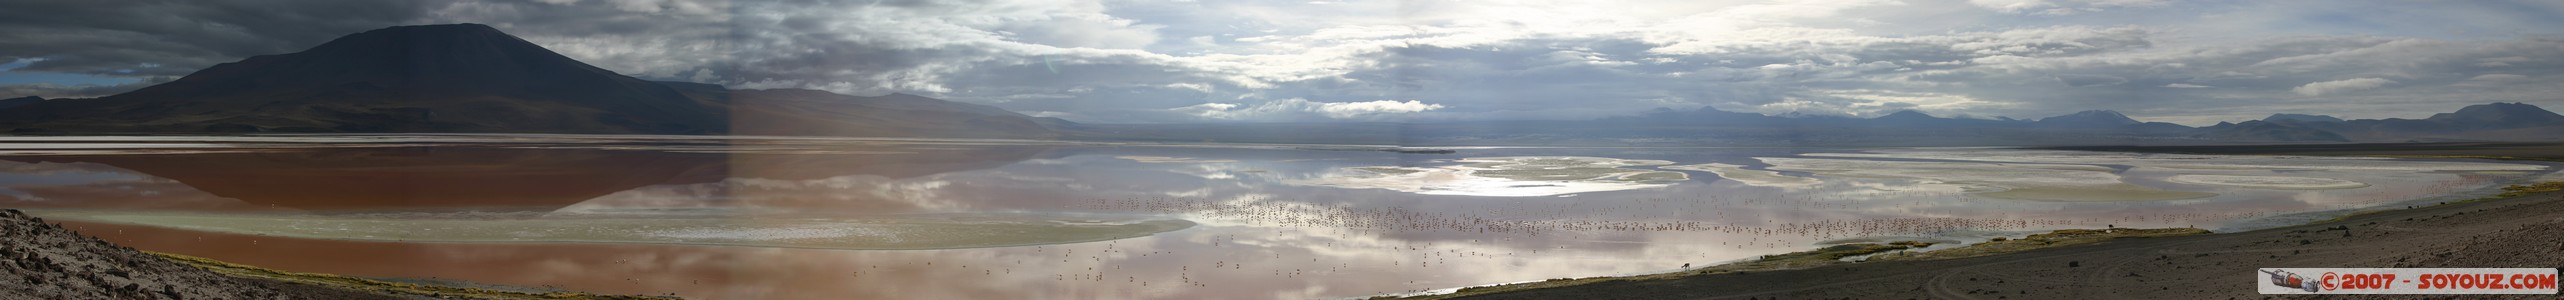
(2513, 233)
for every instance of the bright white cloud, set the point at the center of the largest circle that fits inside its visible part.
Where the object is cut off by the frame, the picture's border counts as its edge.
(1296, 108)
(2338, 86)
(2062, 7)
(2499, 78)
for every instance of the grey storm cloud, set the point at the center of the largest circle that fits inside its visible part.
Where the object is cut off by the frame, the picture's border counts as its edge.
(1429, 60)
(158, 38)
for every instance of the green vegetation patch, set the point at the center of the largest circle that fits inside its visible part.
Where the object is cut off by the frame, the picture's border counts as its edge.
(2052, 239)
(1830, 255)
(2517, 190)
(1814, 258)
(2512, 191)
(1833, 255)
(378, 286)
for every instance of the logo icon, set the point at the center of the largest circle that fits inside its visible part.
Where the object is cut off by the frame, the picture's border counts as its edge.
(2405, 281)
(2283, 278)
(2328, 281)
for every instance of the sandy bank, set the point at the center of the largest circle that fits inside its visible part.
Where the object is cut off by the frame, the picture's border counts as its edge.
(46, 261)
(2509, 232)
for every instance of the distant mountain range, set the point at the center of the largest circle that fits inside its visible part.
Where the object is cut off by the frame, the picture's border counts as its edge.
(464, 78)
(2484, 122)
(19, 101)
(474, 78)
(1711, 127)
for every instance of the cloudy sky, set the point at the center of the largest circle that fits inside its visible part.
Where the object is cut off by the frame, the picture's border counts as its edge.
(1115, 61)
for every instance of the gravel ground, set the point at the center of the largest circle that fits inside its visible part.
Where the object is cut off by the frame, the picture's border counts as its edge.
(44, 261)
(2522, 232)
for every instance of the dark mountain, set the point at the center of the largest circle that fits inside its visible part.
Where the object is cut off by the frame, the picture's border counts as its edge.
(1702, 116)
(474, 78)
(1905, 128)
(2266, 131)
(1058, 124)
(1908, 116)
(2499, 116)
(19, 101)
(1916, 119)
(2109, 122)
(1660, 111)
(2483, 122)
(432, 78)
(2088, 119)
(2384, 129)
(2159, 128)
(1714, 117)
(2298, 118)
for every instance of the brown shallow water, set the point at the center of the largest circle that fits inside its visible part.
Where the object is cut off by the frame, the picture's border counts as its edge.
(1261, 233)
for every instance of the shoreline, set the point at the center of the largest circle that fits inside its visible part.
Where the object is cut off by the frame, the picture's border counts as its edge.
(2532, 206)
(2519, 151)
(1832, 255)
(388, 287)
(75, 217)
(60, 263)
(1690, 283)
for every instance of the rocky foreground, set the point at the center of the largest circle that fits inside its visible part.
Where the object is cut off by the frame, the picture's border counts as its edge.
(45, 261)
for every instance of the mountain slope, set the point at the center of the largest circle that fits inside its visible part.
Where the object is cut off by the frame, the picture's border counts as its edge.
(2088, 119)
(2299, 118)
(2481, 122)
(2258, 130)
(20, 101)
(430, 78)
(2499, 115)
(1915, 119)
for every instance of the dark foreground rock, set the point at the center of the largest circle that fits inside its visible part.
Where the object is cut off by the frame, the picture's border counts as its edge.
(45, 261)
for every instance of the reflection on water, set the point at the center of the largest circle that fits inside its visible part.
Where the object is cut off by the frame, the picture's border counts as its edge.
(1261, 231)
(2037, 182)
(1508, 176)
(854, 232)
(511, 177)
